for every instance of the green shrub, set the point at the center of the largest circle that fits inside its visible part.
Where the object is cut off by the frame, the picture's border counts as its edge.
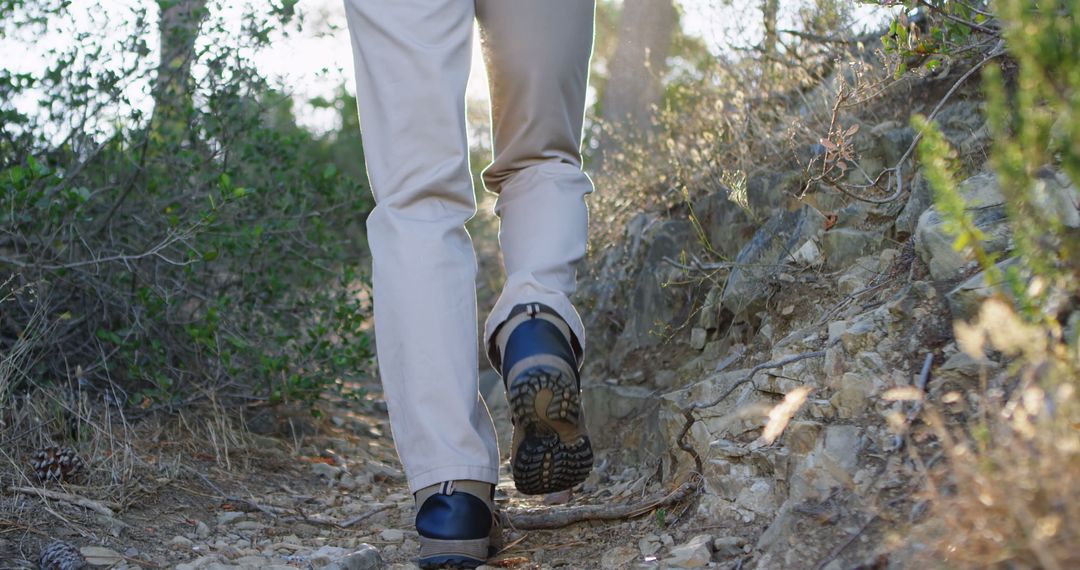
(207, 245)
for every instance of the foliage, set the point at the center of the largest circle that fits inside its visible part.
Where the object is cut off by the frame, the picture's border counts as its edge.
(939, 30)
(1006, 496)
(213, 250)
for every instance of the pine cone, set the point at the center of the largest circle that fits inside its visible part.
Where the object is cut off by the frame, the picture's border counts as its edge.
(61, 556)
(56, 463)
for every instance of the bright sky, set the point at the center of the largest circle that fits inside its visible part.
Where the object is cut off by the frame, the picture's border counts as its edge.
(316, 61)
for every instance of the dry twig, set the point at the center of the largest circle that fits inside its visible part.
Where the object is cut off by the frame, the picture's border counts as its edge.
(688, 411)
(96, 506)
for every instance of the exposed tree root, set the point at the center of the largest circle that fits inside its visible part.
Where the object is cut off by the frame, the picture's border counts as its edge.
(537, 519)
(96, 506)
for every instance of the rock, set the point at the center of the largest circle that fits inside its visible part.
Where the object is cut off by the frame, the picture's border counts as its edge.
(618, 557)
(392, 535)
(759, 497)
(892, 140)
(180, 543)
(326, 470)
(698, 336)
(101, 556)
(934, 243)
(199, 563)
(202, 530)
(649, 545)
(801, 435)
(761, 259)
(695, 553)
(809, 255)
(965, 299)
(325, 556)
(842, 246)
(920, 198)
(729, 546)
(852, 396)
(651, 303)
(230, 517)
(606, 405)
(843, 444)
(726, 222)
(710, 309)
(1057, 197)
(962, 124)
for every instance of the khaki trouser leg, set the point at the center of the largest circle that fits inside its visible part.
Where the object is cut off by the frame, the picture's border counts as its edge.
(412, 61)
(537, 54)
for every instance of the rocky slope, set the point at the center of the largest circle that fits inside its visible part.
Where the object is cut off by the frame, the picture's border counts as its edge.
(827, 304)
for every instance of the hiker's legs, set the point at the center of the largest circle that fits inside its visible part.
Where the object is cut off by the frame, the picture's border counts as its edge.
(412, 64)
(537, 56)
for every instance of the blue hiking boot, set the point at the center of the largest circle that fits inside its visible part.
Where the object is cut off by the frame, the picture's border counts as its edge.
(538, 358)
(456, 523)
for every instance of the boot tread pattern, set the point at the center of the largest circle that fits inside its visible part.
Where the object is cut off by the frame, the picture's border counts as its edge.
(555, 453)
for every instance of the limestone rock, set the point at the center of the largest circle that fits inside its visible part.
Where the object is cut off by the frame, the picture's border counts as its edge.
(695, 553)
(770, 248)
(965, 299)
(650, 302)
(920, 198)
(366, 557)
(726, 222)
(843, 246)
(618, 557)
(934, 243)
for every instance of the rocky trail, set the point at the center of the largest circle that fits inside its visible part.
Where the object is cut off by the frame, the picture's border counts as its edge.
(780, 389)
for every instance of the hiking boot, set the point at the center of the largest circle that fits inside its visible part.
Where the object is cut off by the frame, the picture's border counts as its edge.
(537, 356)
(456, 523)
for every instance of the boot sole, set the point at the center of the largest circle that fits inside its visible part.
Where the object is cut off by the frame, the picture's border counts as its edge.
(554, 453)
(435, 553)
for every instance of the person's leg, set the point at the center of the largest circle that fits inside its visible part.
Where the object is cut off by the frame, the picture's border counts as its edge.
(538, 55)
(412, 63)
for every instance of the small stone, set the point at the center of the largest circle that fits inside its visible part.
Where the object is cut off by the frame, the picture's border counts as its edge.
(649, 545)
(180, 542)
(325, 470)
(229, 517)
(729, 546)
(853, 396)
(698, 336)
(202, 530)
(325, 556)
(695, 553)
(100, 556)
(392, 535)
(618, 557)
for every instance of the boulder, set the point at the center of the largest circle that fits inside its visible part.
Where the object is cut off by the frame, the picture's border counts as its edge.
(651, 303)
(843, 246)
(726, 219)
(965, 299)
(694, 553)
(934, 242)
(772, 246)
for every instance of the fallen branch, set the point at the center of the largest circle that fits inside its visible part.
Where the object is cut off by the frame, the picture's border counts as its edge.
(366, 515)
(688, 411)
(96, 506)
(537, 519)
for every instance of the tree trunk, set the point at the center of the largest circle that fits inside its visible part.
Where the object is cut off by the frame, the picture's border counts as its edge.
(635, 79)
(178, 24)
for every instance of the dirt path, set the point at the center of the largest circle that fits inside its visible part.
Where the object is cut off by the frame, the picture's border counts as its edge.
(309, 494)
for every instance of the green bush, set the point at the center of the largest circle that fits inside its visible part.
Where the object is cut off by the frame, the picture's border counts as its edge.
(207, 245)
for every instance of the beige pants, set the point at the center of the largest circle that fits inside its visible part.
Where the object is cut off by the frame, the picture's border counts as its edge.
(412, 62)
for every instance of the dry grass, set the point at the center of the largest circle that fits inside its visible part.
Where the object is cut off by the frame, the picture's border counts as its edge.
(1006, 496)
